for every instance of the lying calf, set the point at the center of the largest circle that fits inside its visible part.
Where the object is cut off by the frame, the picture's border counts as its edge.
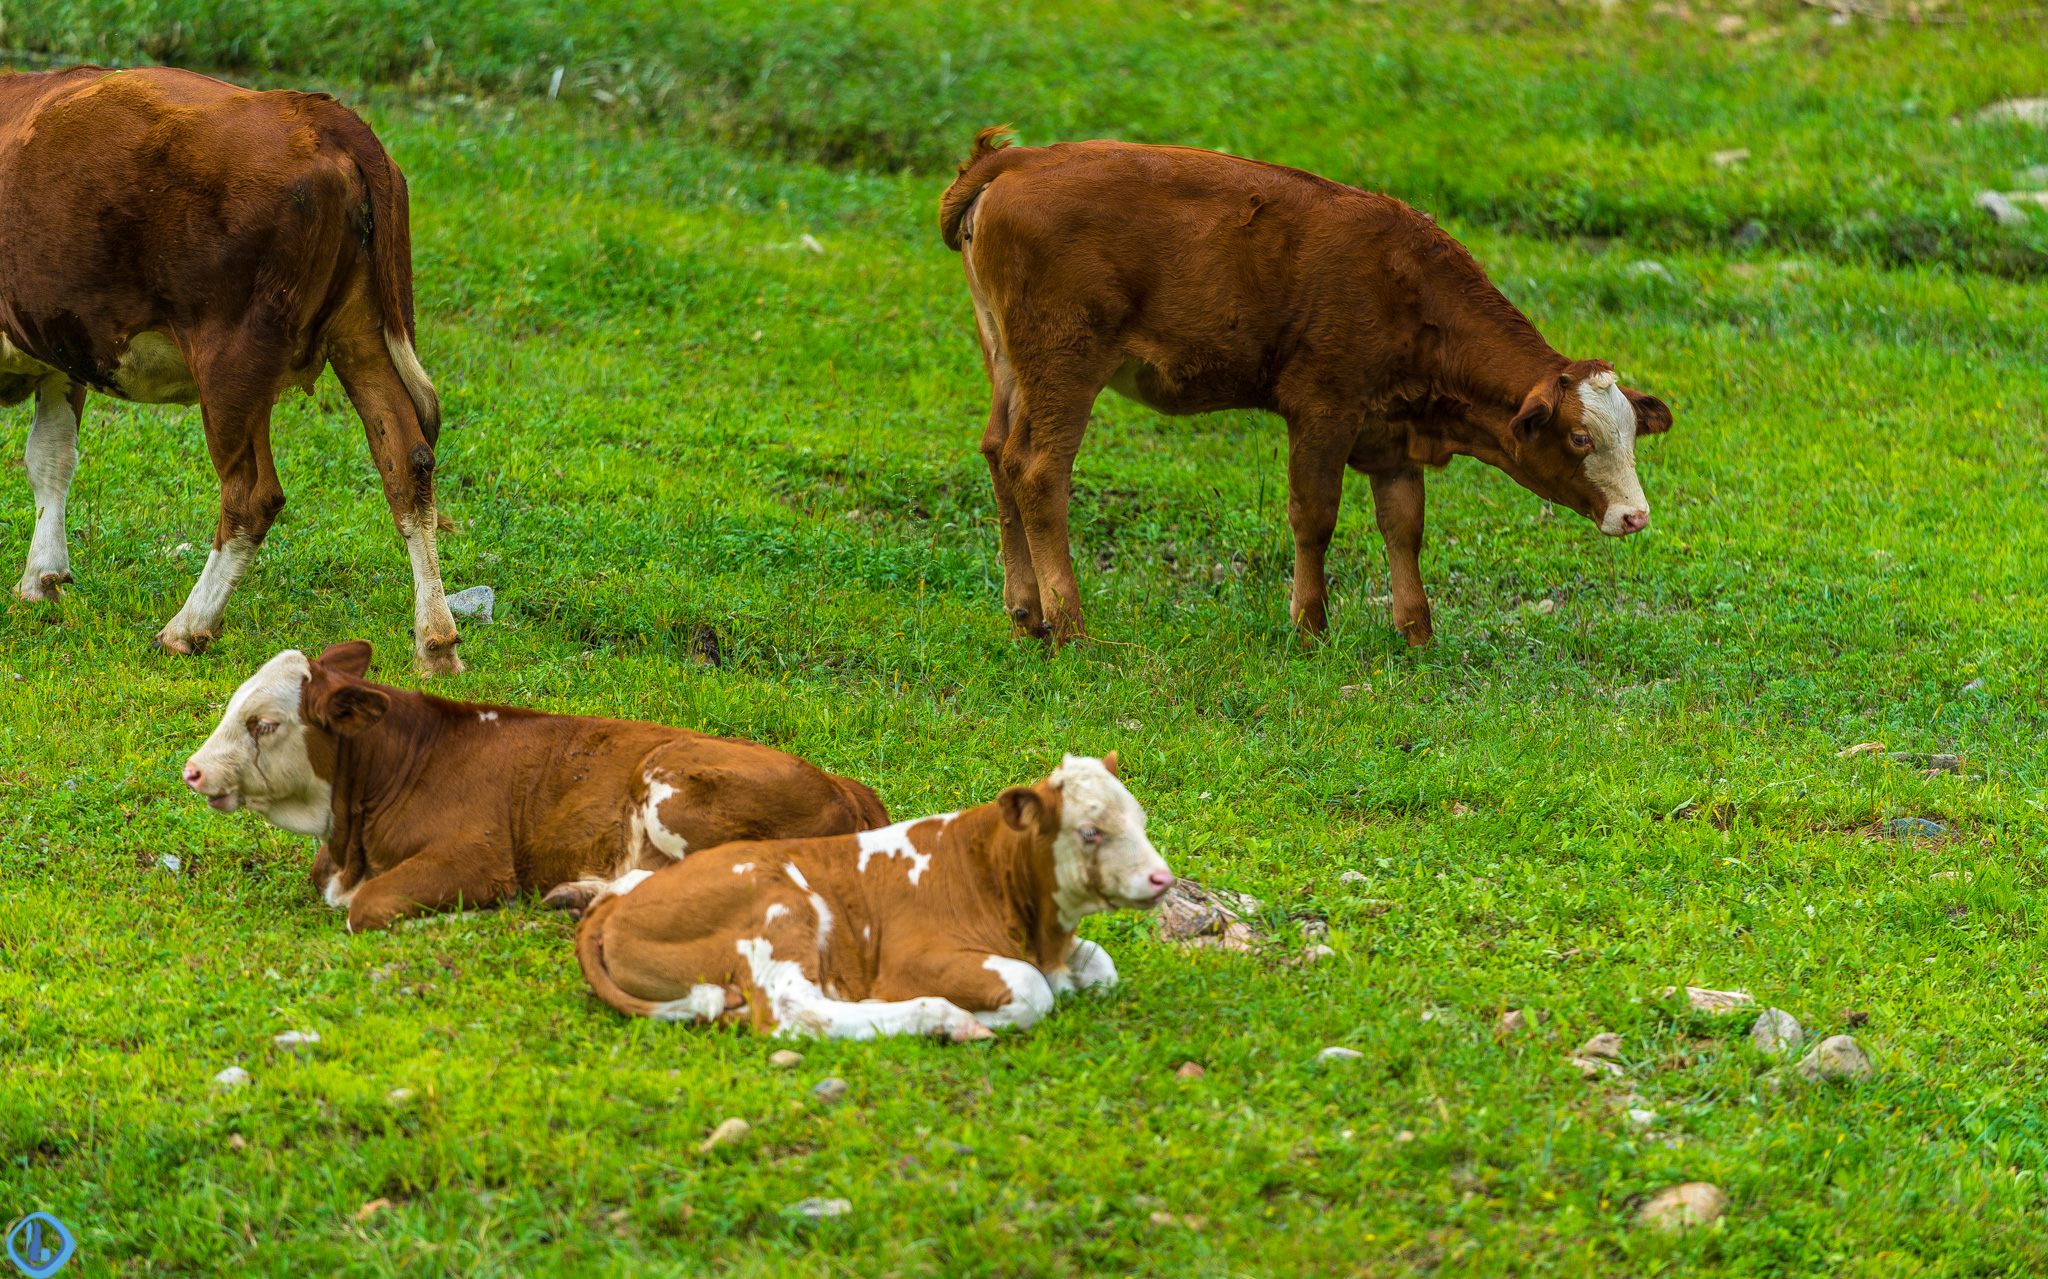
(423, 804)
(947, 925)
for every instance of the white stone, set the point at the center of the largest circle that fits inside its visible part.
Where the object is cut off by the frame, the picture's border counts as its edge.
(829, 1090)
(725, 1134)
(477, 602)
(232, 1077)
(2002, 211)
(2021, 110)
(1605, 1044)
(398, 1096)
(299, 1041)
(784, 1059)
(1837, 1057)
(1696, 1203)
(1340, 1054)
(1776, 1031)
(1354, 877)
(816, 1209)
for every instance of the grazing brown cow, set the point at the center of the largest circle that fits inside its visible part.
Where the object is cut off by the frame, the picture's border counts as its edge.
(175, 240)
(1191, 281)
(422, 803)
(947, 925)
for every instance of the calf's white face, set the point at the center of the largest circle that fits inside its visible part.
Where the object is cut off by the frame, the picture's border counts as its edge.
(1101, 857)
(1610, 420)
(256, 758)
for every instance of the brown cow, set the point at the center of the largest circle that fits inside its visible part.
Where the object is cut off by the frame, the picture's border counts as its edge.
(422, 804)
(175, 240)
(948, 925)
(1191, 281)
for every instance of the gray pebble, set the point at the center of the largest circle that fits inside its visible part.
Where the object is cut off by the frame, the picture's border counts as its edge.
(830, 1090)
(1354, 877)
(1696, 1203)
(1837, 1057)
(1912, 828)
(1776, 1031)
(2001, 210)
(784, 1059)
(398, 1096)
(816, 1209)
(299, 1041)
(1340, 1054)
(477, 602)
(232, 1077)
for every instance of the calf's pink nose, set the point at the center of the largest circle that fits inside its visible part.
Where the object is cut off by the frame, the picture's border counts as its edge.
(194, 776)
(1635, 521)
(1161, 880)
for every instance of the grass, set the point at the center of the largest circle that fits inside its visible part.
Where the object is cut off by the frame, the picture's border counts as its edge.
(663, 414)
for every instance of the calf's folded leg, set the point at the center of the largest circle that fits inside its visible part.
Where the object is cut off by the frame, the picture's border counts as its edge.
(428, 883)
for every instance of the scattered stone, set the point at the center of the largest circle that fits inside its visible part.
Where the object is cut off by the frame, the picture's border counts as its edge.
(1516, 1020)
(2032, 111)
(1734, 155)
(1853, 1017)
(170, 862)
(2001, 210)
(298, 1041)
(1459, 808)
(1696, 1203)
(1730, 25)
(1838, 1057)
(1776, 1031)
(1713, 1001)
(398, 1096)
(1354, 877)
(1315, 929)
(371, 1209)
(237, 1142)
(1605, 1044)
(818, 1209)
(1404, 1136)
(1190, 1070)
(1648, 267)
(1353, 690)
(1340, 1054)
(1977, 683)
(809, 242)
(2033, 175)
(1596, 1067)
(1194, 915)
(1952, 877)
(1542, 608)
(1911, 828)
(1641, 1118)
(477, 602)
(232, 1077)
(784, 1059)
(1749, 234)
(1162, 1218)
(727, 1133)
(1860, 748)
(829, 1091)
(1316, 952)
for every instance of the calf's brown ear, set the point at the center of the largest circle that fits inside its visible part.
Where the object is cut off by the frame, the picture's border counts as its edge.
(340, 705)
(351, 657)
(1021, 808)
(1653, 416)
(1537, 408)
(1109, 765)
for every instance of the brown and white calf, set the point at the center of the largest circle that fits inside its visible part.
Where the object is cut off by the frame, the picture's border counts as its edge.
(423, 804)
(1192, 281)
(951, 925)
(172, 239)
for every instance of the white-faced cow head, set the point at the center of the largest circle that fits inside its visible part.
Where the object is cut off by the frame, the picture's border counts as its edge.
(1574, 442)
(267, 752)
(1100, 855)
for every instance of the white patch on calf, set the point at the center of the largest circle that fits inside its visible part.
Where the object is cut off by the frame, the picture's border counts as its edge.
(1088, 966)
(665, 841)
(774, 912)
(824, 920)
(797, 877)
(801, 1008)
(1117, 870)
(334, 894)
(626, 883)
(895, 842)
(703, 1003)
(1030, 994)
(1611, 420)
(271, 773)
(485, 717)
(742, 868)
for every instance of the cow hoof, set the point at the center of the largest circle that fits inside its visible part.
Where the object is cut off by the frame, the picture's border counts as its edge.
(182, 645)
(968, 1031)
(437, 657)
(46, 588)
(574, 898)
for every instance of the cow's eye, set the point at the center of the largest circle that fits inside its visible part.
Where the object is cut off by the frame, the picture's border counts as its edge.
(1090, 835)
(1581, 440)
(262, 727)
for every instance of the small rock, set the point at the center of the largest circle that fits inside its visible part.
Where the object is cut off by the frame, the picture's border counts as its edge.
(732, 1130)
(2018, 110)
(1641, 1118)
(809, 242)
(817, 1209)
(1404, 1136)
(232, 1077)
(1734, 155)
(398, 1096)
(1340, 1054)
(1353, 690)
(1776, 1031)
(1511, 1022)
(1749, 234)
(1354, 877)
(1543, 607)
(170, 862)
(371, 1209)
(1315, 929)
(1973, 685)
(1838, 1057)
(784, 1059)
(1605, 1044)
(1730, 24)
(477, 602)
(2001, 210)
(1852, 1017)
(1316, 952)
(1952, 877)
(299, 1041)
(829, 1091)
(1860, 748)
(1696, 1203)
(1713, 1001)
(1912, 828)
(2033, 175)
(1648, 267)
(1459, 808)
(1190, 1070)
(237, 1142)
(1596, 1067)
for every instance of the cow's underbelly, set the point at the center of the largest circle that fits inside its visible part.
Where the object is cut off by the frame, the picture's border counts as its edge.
(1140, 382)
(151, 371)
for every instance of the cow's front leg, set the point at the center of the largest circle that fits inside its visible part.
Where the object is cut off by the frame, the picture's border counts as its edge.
(998, 992)
(1089, 967)
(429, 883)
(52, 458)
(1397, 505)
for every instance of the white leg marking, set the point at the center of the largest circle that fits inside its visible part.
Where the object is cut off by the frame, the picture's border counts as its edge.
(1088, 966)
(666, 842)
(703, 1003)
(1031, 994)
(430, 615)
(336, 896)
(52, 458)
(200, 618)
(626, 883)
(801, 1008)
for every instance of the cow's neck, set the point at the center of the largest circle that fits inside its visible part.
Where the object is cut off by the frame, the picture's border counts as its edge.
(1027, 890)
(1483, 357)
(374, 768)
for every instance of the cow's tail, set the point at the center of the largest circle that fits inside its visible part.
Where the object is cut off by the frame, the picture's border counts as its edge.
(867, 805)
(980, 168)
(590, 955)
(390, 260)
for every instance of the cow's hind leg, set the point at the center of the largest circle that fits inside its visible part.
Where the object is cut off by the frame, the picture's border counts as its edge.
(1317, 447)
(238, 376)
(52, 457)
(428, 883)
(405, 463)
(1020, 579)
(1038, 463)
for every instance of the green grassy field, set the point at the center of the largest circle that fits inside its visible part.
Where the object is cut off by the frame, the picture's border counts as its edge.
(663, 414)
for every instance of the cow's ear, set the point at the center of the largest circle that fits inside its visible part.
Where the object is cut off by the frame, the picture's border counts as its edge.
(1653, 416)
(1537, 408)
(1022, 808)
(351, 657)
(341, 705)
(1109, 765)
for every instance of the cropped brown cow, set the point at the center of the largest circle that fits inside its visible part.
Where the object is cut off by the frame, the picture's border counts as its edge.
(422, 804)
(950, 925)
(1191, 281)
(174, 240)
